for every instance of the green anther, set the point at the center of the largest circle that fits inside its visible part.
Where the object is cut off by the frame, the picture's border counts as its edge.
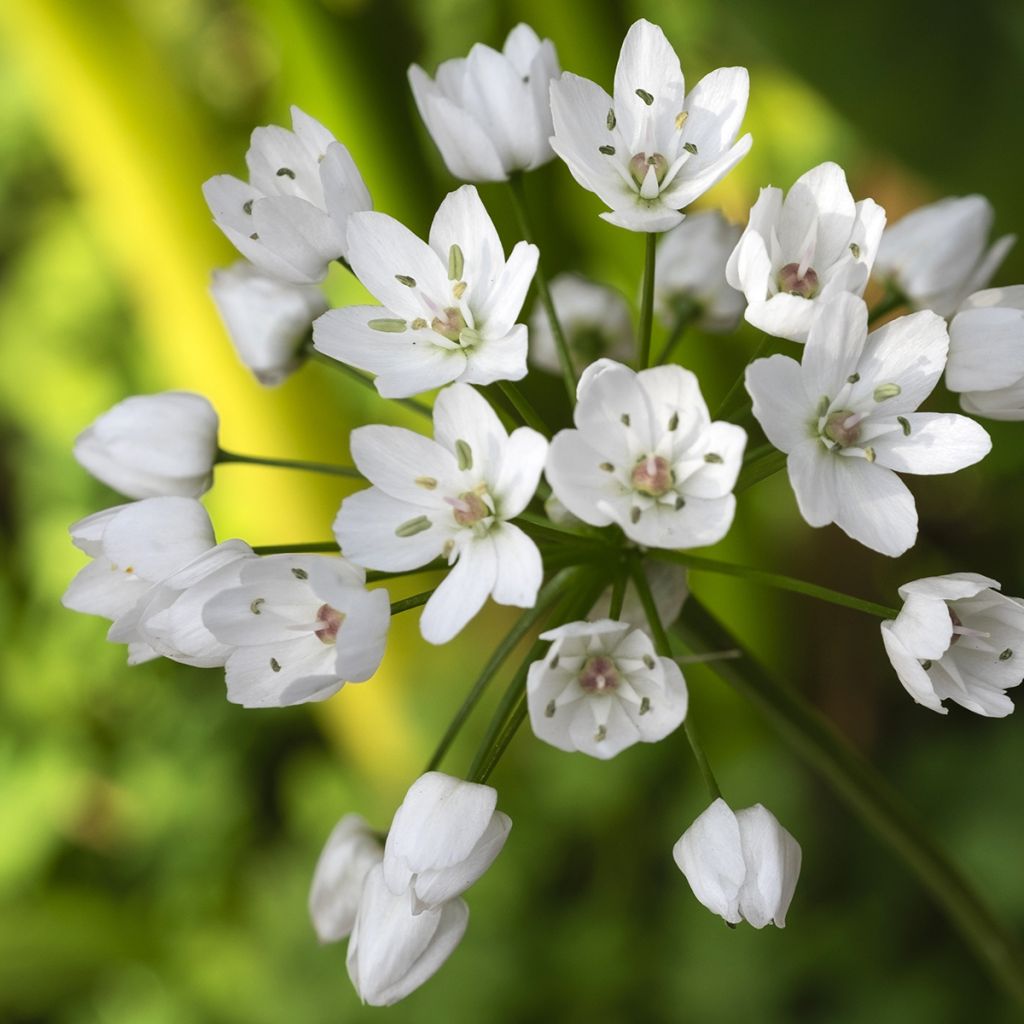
(554, 661)
(855, 250)
(690, 147)
(674, 421)
(247, 206)
(285, 172)
(1006, 655)
(869, 454)
(680, 502)
(300, 574)
(427, 482)
(634, 514)
(713, 457)
(464, 454)
(275, 665)
(412, 526)
(645, 705)
(607, 150)
(409, 282)
(549, 711)
(625, 419)
(853, 378)
(649, 661)
(601, 733)
(387, 326)
(645, 96)
(607, 467)
(905, 424)
(926, 665)
(456, 263)
(610, 120)
(886, 391)
(823, 405)
(254, 606)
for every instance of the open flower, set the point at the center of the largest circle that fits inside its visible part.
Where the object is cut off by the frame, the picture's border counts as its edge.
(939, 254)
(451, 497)
(845, 417)
(957, 638)
(268, 320)
(489, 113)
(149, 446)
(449, 308)
(601, 688)
(986, 354)
(742, 865)
(798, 252)
(290, 218)
(302, 626)
(645, 455)
(651, 150)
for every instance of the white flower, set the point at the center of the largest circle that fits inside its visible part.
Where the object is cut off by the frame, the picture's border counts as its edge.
(489, 113)
(267, 319)
(938, 254)
(956, 638)
(351, 851)
(986, 354)
(689, 276)
(846, 418)
(668, 588)
(650, 151)
(797, 253)
(595, 320)
(601, 688)
(392, 951)
(445, 835)
(303, 625)
(153, 445)
(742, 865)
(451, 497)
(449, 308)
(645, 455)
(290, 218)
(133, 547)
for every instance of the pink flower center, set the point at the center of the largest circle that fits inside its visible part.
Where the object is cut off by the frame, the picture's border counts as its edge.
(652, 475)
(332, 620)
(451, 325)
(599, 675)
(469, 508)
(795, 283)
(843, 427)
(640, 163)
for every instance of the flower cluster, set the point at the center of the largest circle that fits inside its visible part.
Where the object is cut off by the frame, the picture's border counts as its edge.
(587, 529)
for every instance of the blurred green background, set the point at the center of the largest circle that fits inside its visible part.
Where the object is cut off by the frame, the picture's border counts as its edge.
(156, 843)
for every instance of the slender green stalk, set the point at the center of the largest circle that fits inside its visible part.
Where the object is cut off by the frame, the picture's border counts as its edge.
(725, 406)
(892, 299)
(827, 752)
(759, 468)
(663, 646)
(411, 602)
(643, 334)
(361, 378)
(566, 530)
(376, 576)
(518, 193)
(770, 579)
(618, 596)
(522, 405)
(686, 314)
(295, 549)
(309, 467)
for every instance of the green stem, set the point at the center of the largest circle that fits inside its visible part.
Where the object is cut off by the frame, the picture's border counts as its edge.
(518, 193)
(686, 313)
(760, 468)
(737, 385)
(618, 596)
(411, 602)
(814, 739)
(367, 382)
(643, 337)
(295, 549)
(522, 405)
(309, 467)
(771, 579)
(663, 646)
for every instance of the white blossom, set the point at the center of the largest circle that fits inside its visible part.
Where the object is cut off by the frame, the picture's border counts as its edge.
(742, 865)
(689, 275)
(290, 218)
(846, 418)
(267, 319)
(939, 254)
(444, 836)
(594, 318)
(799, 251)
(301, 625)
(986, 354)
(352, 849)
(667, 582)
(601, 688)
(652, 149)
(451, 497)
(645, 455)
(149, 446)
(957, 638)
(448, 307)
(489, 112)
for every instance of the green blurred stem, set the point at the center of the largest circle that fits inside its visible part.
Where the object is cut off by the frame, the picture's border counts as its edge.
(518, 193)
(411, 602)
(827, 752)
(759, 468)
(663, 646)
(296, 549)
(686, 313)
(892, 299)
(726, 405)
(309, 467)
(643, 335)
(366, 381)
(618, 596)
(522, 405)
(770, 579)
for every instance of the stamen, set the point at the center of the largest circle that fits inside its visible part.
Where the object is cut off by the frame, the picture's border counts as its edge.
(456, 263)
(645, 96)
(387, 326)
(412, 526)
(463, 454)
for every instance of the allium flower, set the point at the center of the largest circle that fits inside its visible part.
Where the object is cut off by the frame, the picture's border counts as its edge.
(291, 216)
(595, 319)
(451, 497)
(445, 835)
(938, 254)
(352, 849)
(133, 547)
(392, 951)
(489, 113)
(303, 626)
(650, 151)
(667, 582)
(689, 276)
(645, 455)
(986, 354)
(956, 638)
(846, 418)
(267, 319)
(150, 446)
(449, 308)
(742, 865)
(601, 688)
(797, 252)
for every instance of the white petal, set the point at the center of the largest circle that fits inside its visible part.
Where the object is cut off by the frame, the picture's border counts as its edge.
(716, 479)
(363, 635)
(834, 347)
(924, 626)
(821, 198)
(394, 459)
(715, 109)
(772, 856)
(780, 406)
(914, 678)
(461, 413)
(305, 671)
(647, 63)
(937, 443)
(813, 473)
(462, 593)
(157, 536)
(875, 507)
(522, 462)
(986, 349)
(504, 301)
(709, 853)
(573, 470)
(493, 359)
(366, 528)
(520, 570)
(700, 522)
(345, 192)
